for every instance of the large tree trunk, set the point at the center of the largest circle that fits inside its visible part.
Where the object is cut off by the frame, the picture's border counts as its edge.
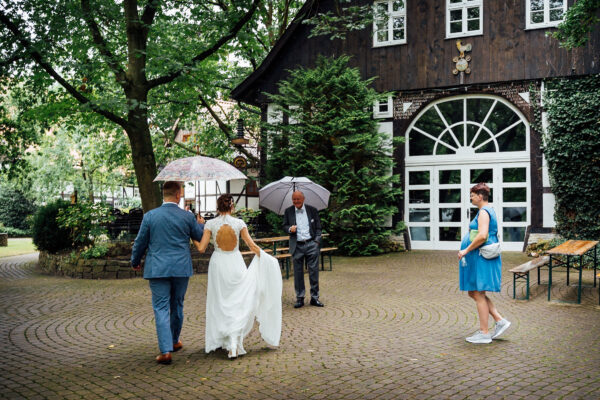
(142, 153)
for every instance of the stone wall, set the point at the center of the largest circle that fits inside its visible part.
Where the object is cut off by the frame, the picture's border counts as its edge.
(74, 266)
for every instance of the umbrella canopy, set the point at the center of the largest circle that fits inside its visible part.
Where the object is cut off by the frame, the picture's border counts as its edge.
(277, 196)
(198, 168)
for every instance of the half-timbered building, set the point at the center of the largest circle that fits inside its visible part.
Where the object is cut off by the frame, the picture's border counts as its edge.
(464, 74)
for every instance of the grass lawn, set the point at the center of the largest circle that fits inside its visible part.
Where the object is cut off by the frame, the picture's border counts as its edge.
(17, 246)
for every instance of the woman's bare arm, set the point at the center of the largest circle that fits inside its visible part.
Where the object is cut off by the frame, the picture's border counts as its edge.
(203, 243)
(249, 242)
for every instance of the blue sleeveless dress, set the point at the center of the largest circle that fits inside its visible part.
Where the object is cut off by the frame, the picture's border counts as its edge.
(481, 274)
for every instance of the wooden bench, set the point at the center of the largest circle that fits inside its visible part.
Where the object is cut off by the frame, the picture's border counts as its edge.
(285, 258)
(326, 252)
(522, 272)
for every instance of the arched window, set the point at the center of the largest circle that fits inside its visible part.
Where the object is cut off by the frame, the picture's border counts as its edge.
(467, 126)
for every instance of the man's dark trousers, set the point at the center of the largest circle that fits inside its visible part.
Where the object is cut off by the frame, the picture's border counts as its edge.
(306, 251)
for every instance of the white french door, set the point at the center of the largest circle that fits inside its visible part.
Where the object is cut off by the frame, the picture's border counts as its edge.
(438, 209)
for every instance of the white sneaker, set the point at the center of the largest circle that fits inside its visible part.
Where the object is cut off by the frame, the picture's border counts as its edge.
(480, 338)
(501, 326)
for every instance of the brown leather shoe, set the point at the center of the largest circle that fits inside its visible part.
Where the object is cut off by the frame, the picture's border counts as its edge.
(164, 358)
(177, 346)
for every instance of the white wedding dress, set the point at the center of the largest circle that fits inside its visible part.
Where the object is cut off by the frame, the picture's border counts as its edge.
(236, 295)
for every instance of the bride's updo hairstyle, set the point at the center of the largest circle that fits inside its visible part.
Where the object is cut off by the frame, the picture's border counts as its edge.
(225, 203)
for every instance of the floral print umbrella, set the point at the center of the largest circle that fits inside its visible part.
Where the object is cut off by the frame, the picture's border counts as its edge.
(199, 168)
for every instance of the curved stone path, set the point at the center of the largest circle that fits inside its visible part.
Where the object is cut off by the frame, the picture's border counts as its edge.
(393, 328)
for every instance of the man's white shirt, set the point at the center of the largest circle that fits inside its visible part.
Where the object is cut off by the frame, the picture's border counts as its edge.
(302, 227)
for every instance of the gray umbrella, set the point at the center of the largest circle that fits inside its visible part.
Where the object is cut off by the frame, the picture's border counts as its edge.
(277, 196)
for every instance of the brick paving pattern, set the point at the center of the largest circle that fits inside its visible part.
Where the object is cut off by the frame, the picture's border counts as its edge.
(393, 327)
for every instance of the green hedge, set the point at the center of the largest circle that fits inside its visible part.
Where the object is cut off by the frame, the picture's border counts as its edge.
(47, 235)
(15, 208)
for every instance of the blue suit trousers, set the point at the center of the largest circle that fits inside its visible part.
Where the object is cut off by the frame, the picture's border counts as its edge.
(167, 301)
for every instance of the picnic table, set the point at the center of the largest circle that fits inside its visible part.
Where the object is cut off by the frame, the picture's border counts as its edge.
(282, 253)
(567, 254)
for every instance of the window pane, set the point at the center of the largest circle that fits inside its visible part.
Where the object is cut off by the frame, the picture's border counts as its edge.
(418, 177)
(556, 15)
(472, 213)
(418, 215)
(449, 214)
(452, 111)
(514, 194)
(473, 12)
(420, 145)
(513, 140)
(556, 4)
(382, 8)
(399, 35)
(537, 5)
(482, 137)
(537, 17)
(450, 233)
(501, 118)
(449, 195)
(418, 196)
(419, 233)
(398, 22)
(473, 25)
(456, 27)
(514, 214)
(513, 234)
(450, 176)
(456, 15)
(383, 106)
(398, 5)
(477, 109)
(514, 174)
(482, 175)
(456, 1)
(441, 149)
(382, 36)
(431, 123)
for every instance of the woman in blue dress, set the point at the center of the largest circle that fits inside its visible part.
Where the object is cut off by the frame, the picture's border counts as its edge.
(477, 274)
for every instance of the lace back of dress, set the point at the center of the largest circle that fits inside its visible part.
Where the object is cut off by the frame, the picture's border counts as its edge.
(226, 238)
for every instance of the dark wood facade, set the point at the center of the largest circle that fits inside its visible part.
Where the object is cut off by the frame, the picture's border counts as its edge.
(507, 61)
(506, 51)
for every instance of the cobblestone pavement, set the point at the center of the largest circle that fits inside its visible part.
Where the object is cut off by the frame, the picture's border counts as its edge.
(393, 327)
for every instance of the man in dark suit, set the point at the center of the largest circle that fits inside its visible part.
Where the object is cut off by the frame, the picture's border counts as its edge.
(166, 232)
(302, 222)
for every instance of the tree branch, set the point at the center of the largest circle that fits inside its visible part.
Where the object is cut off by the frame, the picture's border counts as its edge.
(225, 129)
(149, 12)
(101, 44)
(37, 57)
(208, 52)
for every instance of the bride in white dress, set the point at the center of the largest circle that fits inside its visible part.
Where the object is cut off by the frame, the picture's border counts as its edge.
(236, 295)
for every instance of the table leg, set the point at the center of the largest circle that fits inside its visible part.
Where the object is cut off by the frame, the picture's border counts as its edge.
(595, 263)
(549, 277)
(580, 271)
(568, 265)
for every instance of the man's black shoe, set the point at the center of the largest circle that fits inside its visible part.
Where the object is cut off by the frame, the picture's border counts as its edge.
(299, 303)
(317, 303)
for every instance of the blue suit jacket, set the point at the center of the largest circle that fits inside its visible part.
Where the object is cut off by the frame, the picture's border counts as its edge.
(166, 233)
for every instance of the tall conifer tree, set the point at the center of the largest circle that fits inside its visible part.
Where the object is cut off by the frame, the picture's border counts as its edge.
(329, 135)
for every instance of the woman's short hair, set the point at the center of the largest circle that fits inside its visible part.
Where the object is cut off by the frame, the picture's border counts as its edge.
(482, 189)
(171, 188)
(225, 203)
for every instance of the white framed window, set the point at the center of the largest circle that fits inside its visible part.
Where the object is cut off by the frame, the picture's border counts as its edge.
(274, 114)
(389, 23)
(383, 108)
(464, 18)
(544, 13)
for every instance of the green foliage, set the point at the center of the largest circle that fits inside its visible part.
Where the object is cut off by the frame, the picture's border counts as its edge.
(14, 208)
(344, 18)
(276, 223)
(580, 19)
(47, 235)
(336, 143)
(86, 221)
(572, 149)
(95, 251)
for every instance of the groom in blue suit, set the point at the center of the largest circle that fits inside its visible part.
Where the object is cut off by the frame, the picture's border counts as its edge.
(166, 232)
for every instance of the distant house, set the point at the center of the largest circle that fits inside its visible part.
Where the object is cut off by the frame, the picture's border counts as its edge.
(462, 73)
